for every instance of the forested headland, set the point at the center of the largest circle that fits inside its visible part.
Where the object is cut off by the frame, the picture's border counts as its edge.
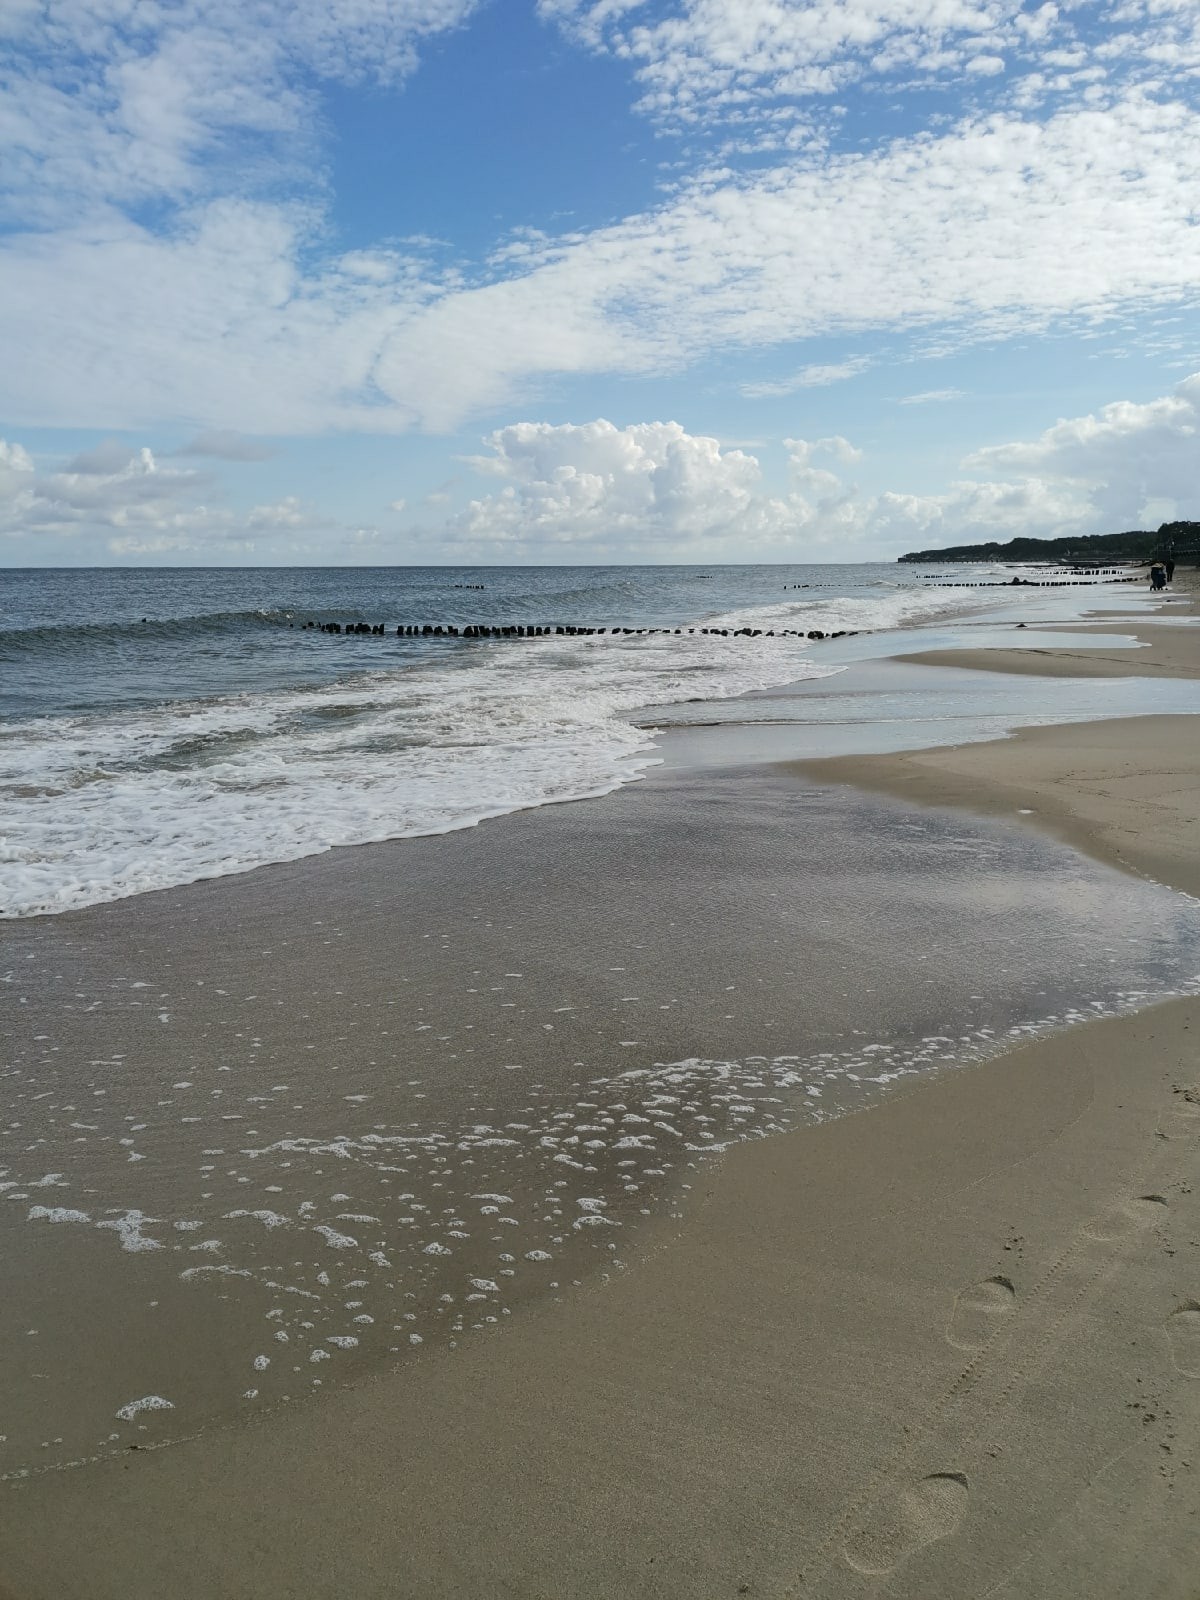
(1179, 540)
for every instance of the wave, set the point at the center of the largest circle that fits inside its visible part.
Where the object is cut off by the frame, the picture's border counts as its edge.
(394, 740)
(18, 642)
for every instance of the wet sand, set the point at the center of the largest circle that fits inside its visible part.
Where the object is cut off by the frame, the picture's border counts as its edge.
(1125, 791)
(949, 1346)
(1164, 649)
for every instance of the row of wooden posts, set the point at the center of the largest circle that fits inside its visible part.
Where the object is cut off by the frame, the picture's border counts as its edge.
(475, 630)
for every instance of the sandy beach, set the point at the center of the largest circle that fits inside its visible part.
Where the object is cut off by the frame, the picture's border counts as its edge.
(945, 1345)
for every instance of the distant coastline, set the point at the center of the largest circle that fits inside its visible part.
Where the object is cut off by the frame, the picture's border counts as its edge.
(1181, 540)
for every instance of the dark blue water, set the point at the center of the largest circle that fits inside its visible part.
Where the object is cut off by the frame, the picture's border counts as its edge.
(73, 640)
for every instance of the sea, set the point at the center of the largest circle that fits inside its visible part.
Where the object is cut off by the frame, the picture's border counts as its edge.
(259, 1144)
(162, 726)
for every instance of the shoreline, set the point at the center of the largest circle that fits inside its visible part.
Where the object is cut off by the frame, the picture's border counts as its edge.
(943, 1348)
(1125, 791)
(1163, 652)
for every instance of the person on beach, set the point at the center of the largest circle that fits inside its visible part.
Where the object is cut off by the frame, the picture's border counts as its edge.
(1158, 575)
(1169, 567)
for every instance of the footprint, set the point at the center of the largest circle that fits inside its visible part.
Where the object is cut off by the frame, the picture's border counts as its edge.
(1124, 1217)
(1183, 1334)
(979, 1311)
(906, 1522)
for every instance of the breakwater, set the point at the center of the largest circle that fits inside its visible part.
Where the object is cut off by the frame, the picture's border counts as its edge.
(478, 630)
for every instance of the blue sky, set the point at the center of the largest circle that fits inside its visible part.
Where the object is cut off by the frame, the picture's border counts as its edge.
(370, 281)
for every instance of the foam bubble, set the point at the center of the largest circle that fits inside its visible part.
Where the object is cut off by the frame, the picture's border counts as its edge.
(57, 1214)
(149, 1402)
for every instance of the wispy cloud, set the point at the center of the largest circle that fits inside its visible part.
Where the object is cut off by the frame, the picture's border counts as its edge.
(222, 444)
(811, 377)
(929, 397)
(108, 104)
(998, 227)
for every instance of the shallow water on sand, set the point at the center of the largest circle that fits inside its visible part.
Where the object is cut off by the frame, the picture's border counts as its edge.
(263, 1133)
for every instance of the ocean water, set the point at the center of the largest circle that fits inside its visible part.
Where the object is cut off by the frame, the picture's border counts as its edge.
(408, 1094)
(161, 726)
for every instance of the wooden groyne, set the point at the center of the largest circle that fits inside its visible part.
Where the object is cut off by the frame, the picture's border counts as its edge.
(1025, 583)
(483, 630)
(479, 630)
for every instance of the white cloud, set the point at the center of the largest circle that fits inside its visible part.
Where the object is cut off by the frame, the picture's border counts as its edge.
(285, 513)
(1000, 226)
(16, 476)
(700, 60)
(116, 500)
(646, 491)
(1123, 457)
(931, 397)
(810, 377)
(623, 491)
(1128, 466)
(653, 491)
(112, 487)
(703, 51)
(974, 513)
(108, 102)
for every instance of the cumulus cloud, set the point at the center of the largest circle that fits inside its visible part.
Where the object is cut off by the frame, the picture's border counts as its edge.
(118, 500)
(1124, 456)
(16, 476)
(974, 513)
(112, 487)
(285, 513)
(654, 491)
(1129, 465)
(623, 491)
(648, 491)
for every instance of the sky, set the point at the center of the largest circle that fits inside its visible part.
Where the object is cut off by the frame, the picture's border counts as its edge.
(349, 282)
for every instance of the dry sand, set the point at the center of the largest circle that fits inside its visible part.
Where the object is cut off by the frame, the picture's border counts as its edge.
(945, 1349)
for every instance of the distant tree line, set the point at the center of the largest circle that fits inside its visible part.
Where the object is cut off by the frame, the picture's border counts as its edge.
(1179, 540)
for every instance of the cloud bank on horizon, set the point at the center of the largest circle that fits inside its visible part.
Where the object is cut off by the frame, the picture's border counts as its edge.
(366, 279)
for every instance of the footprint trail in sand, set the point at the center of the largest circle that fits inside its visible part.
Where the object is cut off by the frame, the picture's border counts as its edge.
(1183, 1334)
(979, 1312)
(905, 1522)
(1124, 1217)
